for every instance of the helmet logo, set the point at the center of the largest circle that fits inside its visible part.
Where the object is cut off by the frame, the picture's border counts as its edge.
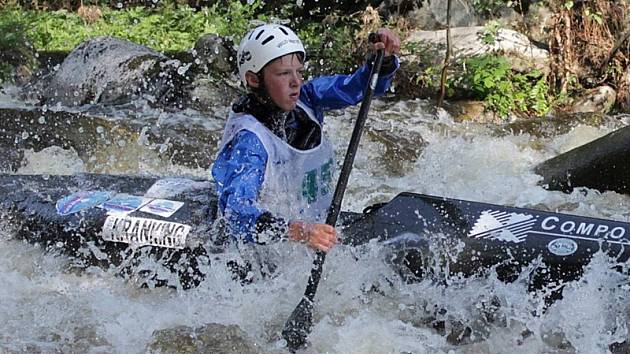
(245, 56)
(287, 41)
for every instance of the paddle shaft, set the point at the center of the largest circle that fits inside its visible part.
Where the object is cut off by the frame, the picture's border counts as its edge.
(344, 175)
(299, 324)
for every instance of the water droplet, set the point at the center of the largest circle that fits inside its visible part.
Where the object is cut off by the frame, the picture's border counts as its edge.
(42, 120)
(24, 135)
(119, 5)
(100, 129)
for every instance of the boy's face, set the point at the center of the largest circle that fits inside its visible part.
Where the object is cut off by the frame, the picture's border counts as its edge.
(283, 80)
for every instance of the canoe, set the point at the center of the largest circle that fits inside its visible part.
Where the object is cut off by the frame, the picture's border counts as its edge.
(600, 164)
(130, 221)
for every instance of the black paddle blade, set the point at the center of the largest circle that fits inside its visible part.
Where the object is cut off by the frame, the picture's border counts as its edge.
(298, 326)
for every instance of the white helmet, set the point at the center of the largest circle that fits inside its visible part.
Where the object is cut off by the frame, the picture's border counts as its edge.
(264, 44)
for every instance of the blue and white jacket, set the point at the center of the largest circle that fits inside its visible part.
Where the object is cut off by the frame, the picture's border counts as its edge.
(239, 169)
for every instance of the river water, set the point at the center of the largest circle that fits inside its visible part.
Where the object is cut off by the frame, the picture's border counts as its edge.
(362, 306)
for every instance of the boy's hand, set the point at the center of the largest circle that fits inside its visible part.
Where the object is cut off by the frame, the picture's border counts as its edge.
(388, 41)
(317, 236)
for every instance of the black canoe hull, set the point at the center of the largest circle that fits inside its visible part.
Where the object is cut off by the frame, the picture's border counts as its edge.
(420, 230)
(28, 207)
(479, 236)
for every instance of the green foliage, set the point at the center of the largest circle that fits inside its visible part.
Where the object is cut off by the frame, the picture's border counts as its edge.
(491, 78)
(166, 28)
(5, 72)
(594, 16)
(12, 32)
(330, 46)
(429, 71)
(175, 28)
(490, 32)
(15, 48)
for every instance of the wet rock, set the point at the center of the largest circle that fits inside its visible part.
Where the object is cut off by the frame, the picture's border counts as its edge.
(107, 144)
(210, 95)
(600, 100)
(210, 338)
(471, 111)
(215, 55)
(215, 82)
(401, 148)
(561, 123)
(83, 339)
(620, 348)
(110, 71)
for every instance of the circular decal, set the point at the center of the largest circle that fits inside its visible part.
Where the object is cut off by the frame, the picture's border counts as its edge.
(562, 246)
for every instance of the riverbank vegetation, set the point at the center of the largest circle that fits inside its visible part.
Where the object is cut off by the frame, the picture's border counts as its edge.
(587, 41)
(163, 28)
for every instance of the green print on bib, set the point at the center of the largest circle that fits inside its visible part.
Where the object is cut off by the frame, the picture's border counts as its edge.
(317, 182)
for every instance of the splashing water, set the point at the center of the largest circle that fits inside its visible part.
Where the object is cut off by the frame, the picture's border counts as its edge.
(362, 305)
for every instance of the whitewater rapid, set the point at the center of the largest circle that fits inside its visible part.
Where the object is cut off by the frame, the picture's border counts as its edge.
(362, 305)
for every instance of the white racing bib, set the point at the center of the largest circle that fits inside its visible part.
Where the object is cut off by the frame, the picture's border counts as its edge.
(297, 183)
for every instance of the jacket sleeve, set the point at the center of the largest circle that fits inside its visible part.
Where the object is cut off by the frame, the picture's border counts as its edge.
(238, 172)
(339, 91)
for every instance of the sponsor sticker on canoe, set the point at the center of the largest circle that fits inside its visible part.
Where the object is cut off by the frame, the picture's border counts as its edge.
(503, 226)
(124, 203)
(162, 207)
(565, 230)
(562, 247)
(172, 186)
(144, 232)
(81, 200)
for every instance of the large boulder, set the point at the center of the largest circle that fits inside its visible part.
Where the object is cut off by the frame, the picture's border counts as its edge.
(110, 71)
(213, 82)
(423, 56)
(469, 42)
